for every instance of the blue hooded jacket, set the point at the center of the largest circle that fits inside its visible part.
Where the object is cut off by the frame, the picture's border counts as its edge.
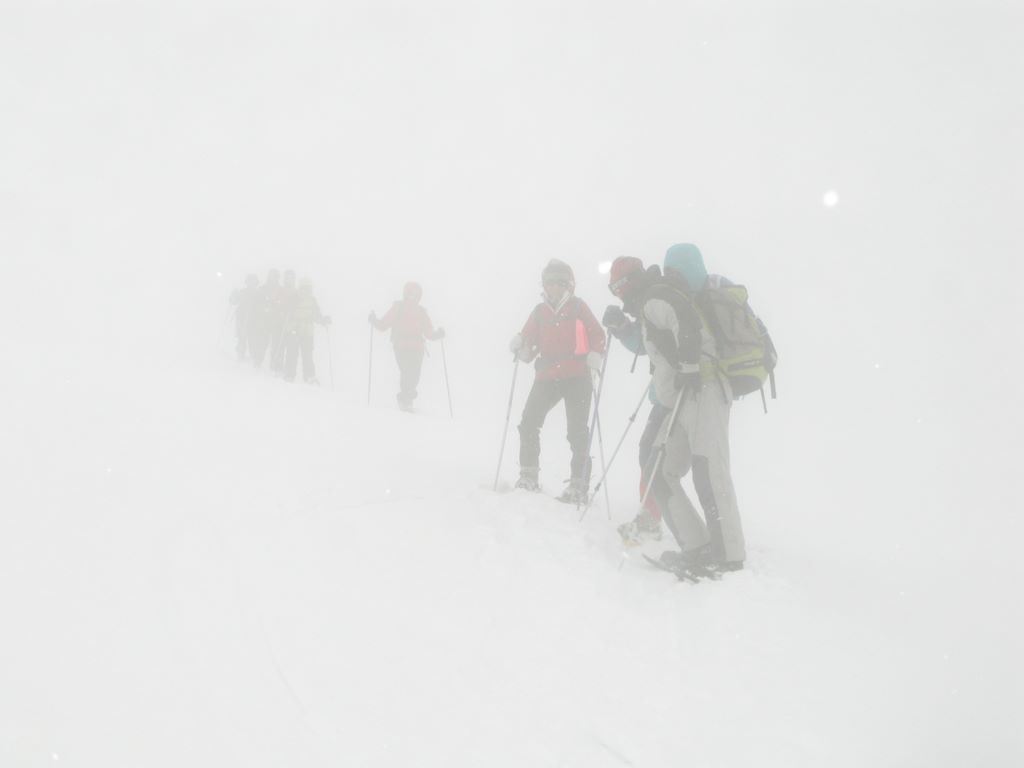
(686, 259)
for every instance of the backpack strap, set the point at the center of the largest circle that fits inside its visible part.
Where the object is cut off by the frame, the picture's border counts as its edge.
(686, 348)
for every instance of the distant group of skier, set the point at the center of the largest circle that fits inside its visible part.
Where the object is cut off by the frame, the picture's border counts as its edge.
(278, 319)
(705, 348)
(704, 345)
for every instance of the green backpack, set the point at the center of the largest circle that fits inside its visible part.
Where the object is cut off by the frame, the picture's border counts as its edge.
(746, 354)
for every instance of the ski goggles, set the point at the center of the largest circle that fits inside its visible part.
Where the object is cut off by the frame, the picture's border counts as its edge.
(619, 286)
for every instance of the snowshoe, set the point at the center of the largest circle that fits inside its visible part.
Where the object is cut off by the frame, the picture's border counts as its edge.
(696, 564)
(528, 479)
(575, 492)
(643, 527)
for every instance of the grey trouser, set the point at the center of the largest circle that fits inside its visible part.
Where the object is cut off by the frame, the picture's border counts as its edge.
(410, 365)
(296, 342)
(701, 441)
(545, 395)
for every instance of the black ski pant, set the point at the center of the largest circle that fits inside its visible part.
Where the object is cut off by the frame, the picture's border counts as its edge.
(296, 343)
(410, 366)
(545, 395)
(244, 337)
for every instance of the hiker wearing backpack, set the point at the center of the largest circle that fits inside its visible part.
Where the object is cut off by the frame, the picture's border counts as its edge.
(297, 336)
(564, 340)
(692, 379)
(410, 328)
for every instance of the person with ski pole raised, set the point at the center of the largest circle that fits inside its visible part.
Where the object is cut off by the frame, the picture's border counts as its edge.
(647, 523)
(565, 341)
(410, 329)
(687, 381)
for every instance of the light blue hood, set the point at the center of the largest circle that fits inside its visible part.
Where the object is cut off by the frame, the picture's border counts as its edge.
(686, 259)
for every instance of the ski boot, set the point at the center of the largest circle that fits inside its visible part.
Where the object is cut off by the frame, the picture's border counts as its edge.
(528, 479)
(644, 527)
(575, 492)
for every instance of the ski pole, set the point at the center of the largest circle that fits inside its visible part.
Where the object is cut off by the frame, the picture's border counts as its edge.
(615, 453)
(597, 404)
(444, 362)
(369, 383)
(661, 449)
(604, 468)
(508, 417)
(330, 357)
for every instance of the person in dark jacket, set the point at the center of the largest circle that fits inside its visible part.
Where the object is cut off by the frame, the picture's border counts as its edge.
(245, 301)
(265, 316)
(410, 328)
(629, 332)
(566, 342)
(298, 335)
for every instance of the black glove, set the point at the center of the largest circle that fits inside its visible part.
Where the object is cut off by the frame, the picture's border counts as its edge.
(688, 381)
(614, 318)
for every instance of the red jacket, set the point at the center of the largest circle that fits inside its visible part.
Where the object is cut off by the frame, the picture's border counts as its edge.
(409, 324)
(563, 339)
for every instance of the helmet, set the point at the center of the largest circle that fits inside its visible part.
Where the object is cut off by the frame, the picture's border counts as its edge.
(558, 272)
(273, 276)
(624, 269)
(251, 281)
(289, 277)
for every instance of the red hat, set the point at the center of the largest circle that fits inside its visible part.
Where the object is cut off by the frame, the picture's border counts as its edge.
(623, 269)
(412, 291)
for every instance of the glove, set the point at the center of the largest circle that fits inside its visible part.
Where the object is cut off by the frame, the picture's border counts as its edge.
(595, 360)
(687, 378)
(440, 333)
(614, 318)
(326, 320)
(516, 344)
(373, 317)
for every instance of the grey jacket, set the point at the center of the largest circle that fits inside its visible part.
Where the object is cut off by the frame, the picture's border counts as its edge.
(675, 338)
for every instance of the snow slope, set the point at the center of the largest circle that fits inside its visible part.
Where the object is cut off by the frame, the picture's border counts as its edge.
(213, 568)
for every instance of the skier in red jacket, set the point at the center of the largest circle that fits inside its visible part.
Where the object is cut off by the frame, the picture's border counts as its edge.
(567, 342)
(410, 326)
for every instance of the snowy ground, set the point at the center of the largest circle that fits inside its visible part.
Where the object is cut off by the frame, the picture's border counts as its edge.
(233, 571)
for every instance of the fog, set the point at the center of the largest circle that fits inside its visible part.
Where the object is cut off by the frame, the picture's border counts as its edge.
(857, 166)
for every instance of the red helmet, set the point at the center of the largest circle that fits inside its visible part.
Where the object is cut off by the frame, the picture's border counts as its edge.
(622, 271)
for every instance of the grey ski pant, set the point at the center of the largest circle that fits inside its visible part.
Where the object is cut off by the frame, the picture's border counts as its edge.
(701, 442)
(410, 366)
